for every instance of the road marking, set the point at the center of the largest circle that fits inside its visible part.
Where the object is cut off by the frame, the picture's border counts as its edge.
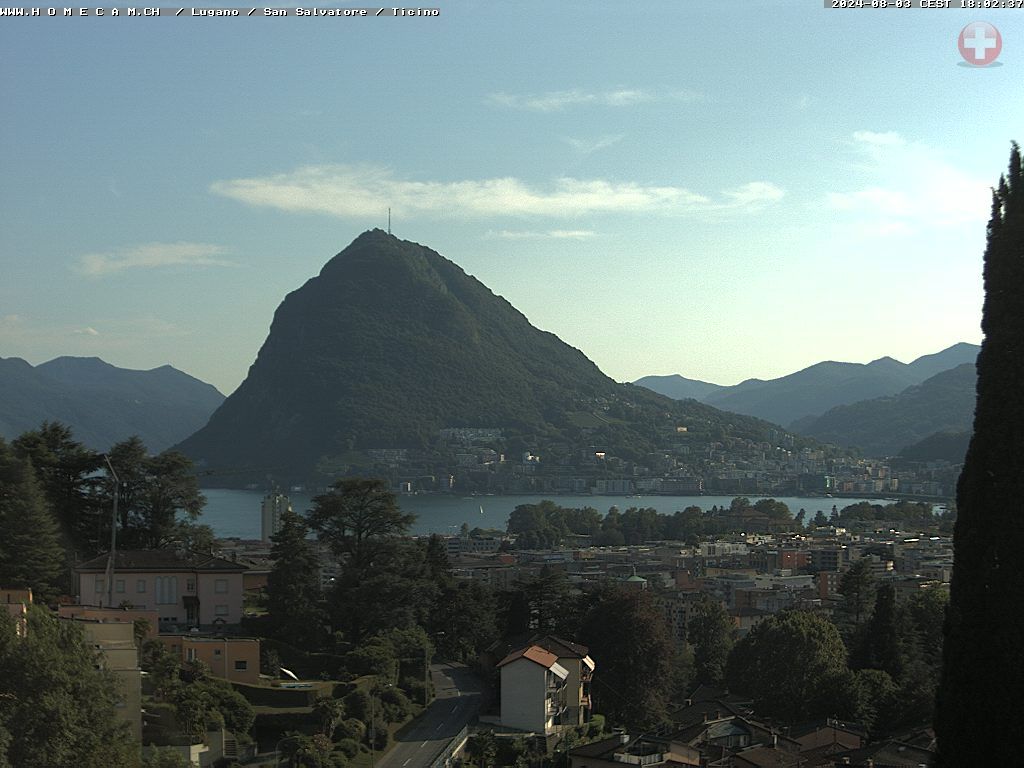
(406, 762)
(455, 707)
(423, 745)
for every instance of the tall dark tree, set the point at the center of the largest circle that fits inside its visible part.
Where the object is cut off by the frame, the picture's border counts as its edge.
(857, 586)
(710, 631)
(356, 516)
(66, 470)
(887, 634)
(983, 657)
(293, 585)
(30, 551)
(159, 497)
(628, 639)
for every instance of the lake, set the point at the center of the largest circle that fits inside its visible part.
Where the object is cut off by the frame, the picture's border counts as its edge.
(234, 513)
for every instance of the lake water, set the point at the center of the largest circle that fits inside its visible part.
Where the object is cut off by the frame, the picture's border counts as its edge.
(234, 513)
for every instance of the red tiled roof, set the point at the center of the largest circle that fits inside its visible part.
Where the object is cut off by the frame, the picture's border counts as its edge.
(533, 653)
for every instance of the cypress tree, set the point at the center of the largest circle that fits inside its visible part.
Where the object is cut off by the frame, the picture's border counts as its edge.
(293, 585)
(980, 705)
(30, 550)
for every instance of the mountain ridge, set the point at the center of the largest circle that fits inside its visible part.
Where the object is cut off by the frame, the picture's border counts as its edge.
(795, 398)
(102, 403)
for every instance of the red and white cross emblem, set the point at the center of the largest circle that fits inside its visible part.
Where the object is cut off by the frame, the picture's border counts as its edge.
(980, 43)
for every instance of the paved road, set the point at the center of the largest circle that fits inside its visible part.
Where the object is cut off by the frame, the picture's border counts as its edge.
(457, 703)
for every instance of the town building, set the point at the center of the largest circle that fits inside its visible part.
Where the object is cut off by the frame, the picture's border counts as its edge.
(186, 589)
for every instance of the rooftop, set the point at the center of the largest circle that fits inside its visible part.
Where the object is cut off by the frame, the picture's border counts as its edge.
(161, 560)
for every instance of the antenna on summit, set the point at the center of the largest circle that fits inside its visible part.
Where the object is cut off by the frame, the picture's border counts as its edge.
(389, 221)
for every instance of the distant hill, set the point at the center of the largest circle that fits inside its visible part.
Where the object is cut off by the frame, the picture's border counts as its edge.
(104, 404)
(946, 446)
(392, 343)
(884, 425)
(795, 399)
(678, 387)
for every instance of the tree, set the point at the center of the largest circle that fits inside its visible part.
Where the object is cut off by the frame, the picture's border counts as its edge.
(775, 510)
(629, 641)
(293, 585)
(329, 714)
(983, 658)
(464, 620)
(793, 666)
(165, 757)
(355, 516)
(857, 586)
(710, 631)
(57, 705)
(30, 551)
(886, 633)
(159, 498)
(66, 471)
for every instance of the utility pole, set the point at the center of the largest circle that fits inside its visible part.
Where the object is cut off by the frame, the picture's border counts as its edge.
(113, 535)
(389, 221)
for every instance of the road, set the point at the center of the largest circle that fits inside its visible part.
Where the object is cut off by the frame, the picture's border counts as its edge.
(423, 739)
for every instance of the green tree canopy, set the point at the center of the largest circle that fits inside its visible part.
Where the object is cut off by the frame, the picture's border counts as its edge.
(293, 585)
(66, 470)
(57, 705)
(355, 516)
(793, 666)
(628, 640)
(710, 631)
(159, 498)
(30, 551)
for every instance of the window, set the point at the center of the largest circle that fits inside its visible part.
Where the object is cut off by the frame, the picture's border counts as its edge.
(119, 585)
(220, 586)
(190, 585)
(140, 585)
(166, 590)
(241, 666)
(221, 610)
(100, 584)
(191, 654)
(216, 651)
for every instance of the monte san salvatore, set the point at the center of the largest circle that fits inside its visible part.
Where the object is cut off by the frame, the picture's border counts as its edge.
(394, 361)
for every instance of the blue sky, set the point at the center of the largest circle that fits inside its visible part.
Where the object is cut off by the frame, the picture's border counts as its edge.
(721, 190)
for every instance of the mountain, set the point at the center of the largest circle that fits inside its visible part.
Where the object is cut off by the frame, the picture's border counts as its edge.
(799, 397)
(678, 387)
(392, 343)
(884, 425)
(104, 404)
(945, 446)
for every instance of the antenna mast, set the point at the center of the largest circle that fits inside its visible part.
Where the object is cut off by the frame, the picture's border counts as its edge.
(113, 535)
(389, 221)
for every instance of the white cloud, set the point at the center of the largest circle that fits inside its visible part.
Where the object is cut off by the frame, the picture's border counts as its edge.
(341, 190)
(150, 256)
(589, 146)
(887, 139)
(554, 234)
(908, 186)
(87, 331)
(553, 101)
(755, 193)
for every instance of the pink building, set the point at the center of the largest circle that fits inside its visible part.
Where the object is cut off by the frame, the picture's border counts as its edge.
(186, 589)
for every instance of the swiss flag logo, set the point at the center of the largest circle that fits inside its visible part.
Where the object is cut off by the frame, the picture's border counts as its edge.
(980, 43)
